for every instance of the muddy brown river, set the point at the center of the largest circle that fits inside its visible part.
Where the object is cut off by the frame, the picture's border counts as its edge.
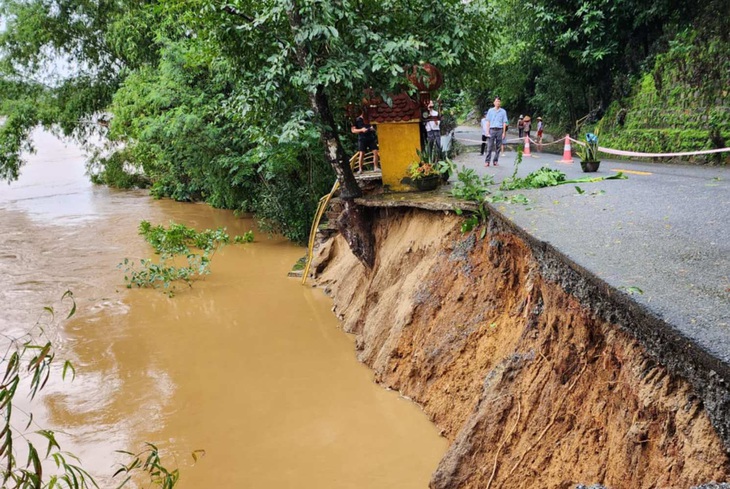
(248, 365)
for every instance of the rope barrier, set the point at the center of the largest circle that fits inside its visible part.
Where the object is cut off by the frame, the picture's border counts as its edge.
(612, 151)
(547, 144)
(513, 140)
(636, 154)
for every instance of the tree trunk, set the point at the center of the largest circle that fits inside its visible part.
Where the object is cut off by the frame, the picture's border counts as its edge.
(356, 226)
(354, 223)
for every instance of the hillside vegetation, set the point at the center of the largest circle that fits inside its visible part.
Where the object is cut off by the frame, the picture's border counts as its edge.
(682, 104)
(653, 76)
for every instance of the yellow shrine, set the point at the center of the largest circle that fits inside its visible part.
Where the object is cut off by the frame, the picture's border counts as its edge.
(400, 126)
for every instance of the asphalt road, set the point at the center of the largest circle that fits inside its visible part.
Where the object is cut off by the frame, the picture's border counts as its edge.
(662, 235)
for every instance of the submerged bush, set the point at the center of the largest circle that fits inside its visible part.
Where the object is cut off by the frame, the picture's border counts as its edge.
(170, 243)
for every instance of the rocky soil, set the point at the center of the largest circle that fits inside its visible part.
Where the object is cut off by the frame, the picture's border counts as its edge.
(531, 388)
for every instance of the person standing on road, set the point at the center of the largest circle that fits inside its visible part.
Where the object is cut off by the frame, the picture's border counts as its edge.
(528, 125)
(485, 134)
(496, 130)
(521, 127)
(433, 129)
(539, 130)
(367, 140)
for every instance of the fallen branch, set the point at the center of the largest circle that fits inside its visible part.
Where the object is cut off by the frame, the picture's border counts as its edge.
(618, 176)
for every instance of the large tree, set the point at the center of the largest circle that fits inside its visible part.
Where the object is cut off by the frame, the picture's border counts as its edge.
(279, 70)
(331, 50)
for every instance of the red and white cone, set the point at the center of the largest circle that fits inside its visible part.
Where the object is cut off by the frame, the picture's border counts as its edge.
(526, 151)
(567, 151)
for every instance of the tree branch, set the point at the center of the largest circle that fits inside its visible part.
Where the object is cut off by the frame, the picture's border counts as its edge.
(233, 11)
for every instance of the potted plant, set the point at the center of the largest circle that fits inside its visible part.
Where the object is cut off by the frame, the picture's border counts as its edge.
(427, 172)
(588, 154)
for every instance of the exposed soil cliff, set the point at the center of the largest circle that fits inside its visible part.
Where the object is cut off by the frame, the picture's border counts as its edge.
(531, 388)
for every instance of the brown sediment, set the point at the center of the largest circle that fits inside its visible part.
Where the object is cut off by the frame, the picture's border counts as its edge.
(530, 386)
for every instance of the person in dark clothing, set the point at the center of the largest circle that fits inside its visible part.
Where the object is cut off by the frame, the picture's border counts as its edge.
(485, 134)
(367, 140)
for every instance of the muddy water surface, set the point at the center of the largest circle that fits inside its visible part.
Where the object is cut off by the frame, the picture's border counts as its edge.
(248, 365)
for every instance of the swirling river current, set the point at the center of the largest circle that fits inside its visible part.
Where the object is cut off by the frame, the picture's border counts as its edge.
(248, 365)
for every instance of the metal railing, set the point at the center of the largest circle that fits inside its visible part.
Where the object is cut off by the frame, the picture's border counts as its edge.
(321, 209)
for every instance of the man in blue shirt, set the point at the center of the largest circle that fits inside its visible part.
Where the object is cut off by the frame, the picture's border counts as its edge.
(496, 131)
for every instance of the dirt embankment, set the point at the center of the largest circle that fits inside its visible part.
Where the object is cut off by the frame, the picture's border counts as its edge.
(530, 387)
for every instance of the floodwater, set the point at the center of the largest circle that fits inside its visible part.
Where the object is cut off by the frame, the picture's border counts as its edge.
(248, 365)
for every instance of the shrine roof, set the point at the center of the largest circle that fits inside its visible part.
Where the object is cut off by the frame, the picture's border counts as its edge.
(404, 108)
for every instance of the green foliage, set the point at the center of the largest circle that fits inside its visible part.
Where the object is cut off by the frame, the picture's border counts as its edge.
(544, 177)
(661, 140)
(38, 36)
(500, 196)
(286, 200)
(300, 264)
(212, 102)
(470, 186)
(618, 176)
(696, 66)
(170, 121)
(429, 163)
(115, 171)
(156, 275)
(469, 223)
(570, 59)
(149, 462)
(681, 103)
(178, 239)
(247, 237)
(550, 177)
(171, 243)
(631, 290)
(14, 135)
(27, 359)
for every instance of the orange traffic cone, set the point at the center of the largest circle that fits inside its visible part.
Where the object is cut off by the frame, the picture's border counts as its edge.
(567, 151)
(526, 151)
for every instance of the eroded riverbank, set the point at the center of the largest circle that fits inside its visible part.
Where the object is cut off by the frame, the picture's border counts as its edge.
(526, 382)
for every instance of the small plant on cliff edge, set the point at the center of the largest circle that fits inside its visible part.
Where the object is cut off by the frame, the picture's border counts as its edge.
(472, 187)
